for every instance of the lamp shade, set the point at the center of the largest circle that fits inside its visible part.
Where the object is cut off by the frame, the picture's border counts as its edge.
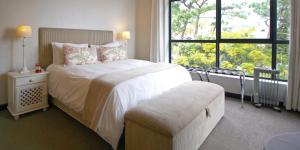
(126, 35)
(24, 31)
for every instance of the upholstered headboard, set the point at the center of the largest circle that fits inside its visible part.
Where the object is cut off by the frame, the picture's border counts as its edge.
(78, 36)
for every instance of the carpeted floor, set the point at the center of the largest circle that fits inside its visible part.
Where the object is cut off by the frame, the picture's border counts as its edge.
(240, 129)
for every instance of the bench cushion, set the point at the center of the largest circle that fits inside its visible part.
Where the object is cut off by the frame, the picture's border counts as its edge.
(172, 111)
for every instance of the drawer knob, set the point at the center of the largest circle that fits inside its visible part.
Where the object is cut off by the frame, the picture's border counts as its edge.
(30, 80)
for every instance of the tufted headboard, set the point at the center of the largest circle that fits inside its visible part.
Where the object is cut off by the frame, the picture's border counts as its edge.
(78, 36)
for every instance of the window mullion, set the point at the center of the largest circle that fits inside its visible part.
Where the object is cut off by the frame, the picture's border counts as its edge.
(218, 31)
(273, 22)
(170, 31)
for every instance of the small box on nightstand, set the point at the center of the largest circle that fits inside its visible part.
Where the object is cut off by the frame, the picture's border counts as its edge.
(27, 92)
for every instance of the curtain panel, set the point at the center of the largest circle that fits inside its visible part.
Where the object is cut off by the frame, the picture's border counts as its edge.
(293, 102)
(159, 49)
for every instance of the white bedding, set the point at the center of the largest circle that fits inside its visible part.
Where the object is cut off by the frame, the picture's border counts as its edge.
(71, 84)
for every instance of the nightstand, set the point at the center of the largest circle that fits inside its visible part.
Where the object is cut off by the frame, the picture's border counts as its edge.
(27, 92)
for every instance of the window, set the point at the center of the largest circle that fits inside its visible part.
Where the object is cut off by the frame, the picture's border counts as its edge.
(245, 19)
(194, 20)
(232, 34)
(194, 54)
(283, 19)
(282, 60)
(245, 56)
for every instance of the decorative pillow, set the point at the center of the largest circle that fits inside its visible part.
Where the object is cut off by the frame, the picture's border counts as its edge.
(58, 52)
(80, 56)
(111, 52)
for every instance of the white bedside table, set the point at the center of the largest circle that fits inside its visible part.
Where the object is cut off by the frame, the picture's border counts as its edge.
(27, 92)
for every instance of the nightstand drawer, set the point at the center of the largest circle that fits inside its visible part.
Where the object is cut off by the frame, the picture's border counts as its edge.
(30, 80)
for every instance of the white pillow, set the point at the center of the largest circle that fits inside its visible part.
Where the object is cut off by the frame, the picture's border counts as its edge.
(108, 45)
(58, 51)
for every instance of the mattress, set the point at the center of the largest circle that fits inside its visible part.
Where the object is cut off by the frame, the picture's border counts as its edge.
(70, 86)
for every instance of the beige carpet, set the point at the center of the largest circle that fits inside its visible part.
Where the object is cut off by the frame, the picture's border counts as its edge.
(240, 129)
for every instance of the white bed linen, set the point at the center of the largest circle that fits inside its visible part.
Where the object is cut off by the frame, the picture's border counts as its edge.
(70, 85)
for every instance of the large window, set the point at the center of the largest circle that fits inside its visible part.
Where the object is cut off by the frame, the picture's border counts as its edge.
(232, 34)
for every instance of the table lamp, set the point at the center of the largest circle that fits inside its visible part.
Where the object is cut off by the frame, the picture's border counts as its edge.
(24, 32)
(125, 36)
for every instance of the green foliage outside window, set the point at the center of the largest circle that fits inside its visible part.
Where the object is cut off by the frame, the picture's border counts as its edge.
(194, 54)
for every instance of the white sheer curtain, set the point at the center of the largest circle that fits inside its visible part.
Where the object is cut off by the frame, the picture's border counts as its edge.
(159, 31)
(293, 102)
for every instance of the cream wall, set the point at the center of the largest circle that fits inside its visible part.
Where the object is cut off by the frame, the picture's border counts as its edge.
(143, 28)
(116, 15)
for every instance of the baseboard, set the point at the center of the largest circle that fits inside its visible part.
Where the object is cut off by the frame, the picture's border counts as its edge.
(3, 107)
(238, 96)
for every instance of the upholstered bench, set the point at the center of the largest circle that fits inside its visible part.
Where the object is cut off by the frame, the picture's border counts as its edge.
(179, 119)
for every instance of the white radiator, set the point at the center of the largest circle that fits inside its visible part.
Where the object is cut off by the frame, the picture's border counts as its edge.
(266, 86)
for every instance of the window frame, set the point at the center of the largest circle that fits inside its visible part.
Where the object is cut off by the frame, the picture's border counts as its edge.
(272, 40)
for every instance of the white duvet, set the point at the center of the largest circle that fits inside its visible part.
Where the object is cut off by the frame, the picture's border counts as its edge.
(70, 85)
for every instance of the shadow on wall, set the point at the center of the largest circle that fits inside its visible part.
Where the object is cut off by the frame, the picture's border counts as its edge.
(10, 36)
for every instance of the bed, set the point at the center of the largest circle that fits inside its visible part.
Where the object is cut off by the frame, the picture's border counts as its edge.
(99, 95)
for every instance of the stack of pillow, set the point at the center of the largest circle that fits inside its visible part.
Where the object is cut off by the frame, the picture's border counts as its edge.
(80, 54)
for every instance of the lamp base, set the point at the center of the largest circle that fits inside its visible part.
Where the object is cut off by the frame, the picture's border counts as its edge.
(24, 70)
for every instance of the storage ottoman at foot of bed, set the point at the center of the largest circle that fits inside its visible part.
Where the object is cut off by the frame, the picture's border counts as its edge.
(180, 119)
